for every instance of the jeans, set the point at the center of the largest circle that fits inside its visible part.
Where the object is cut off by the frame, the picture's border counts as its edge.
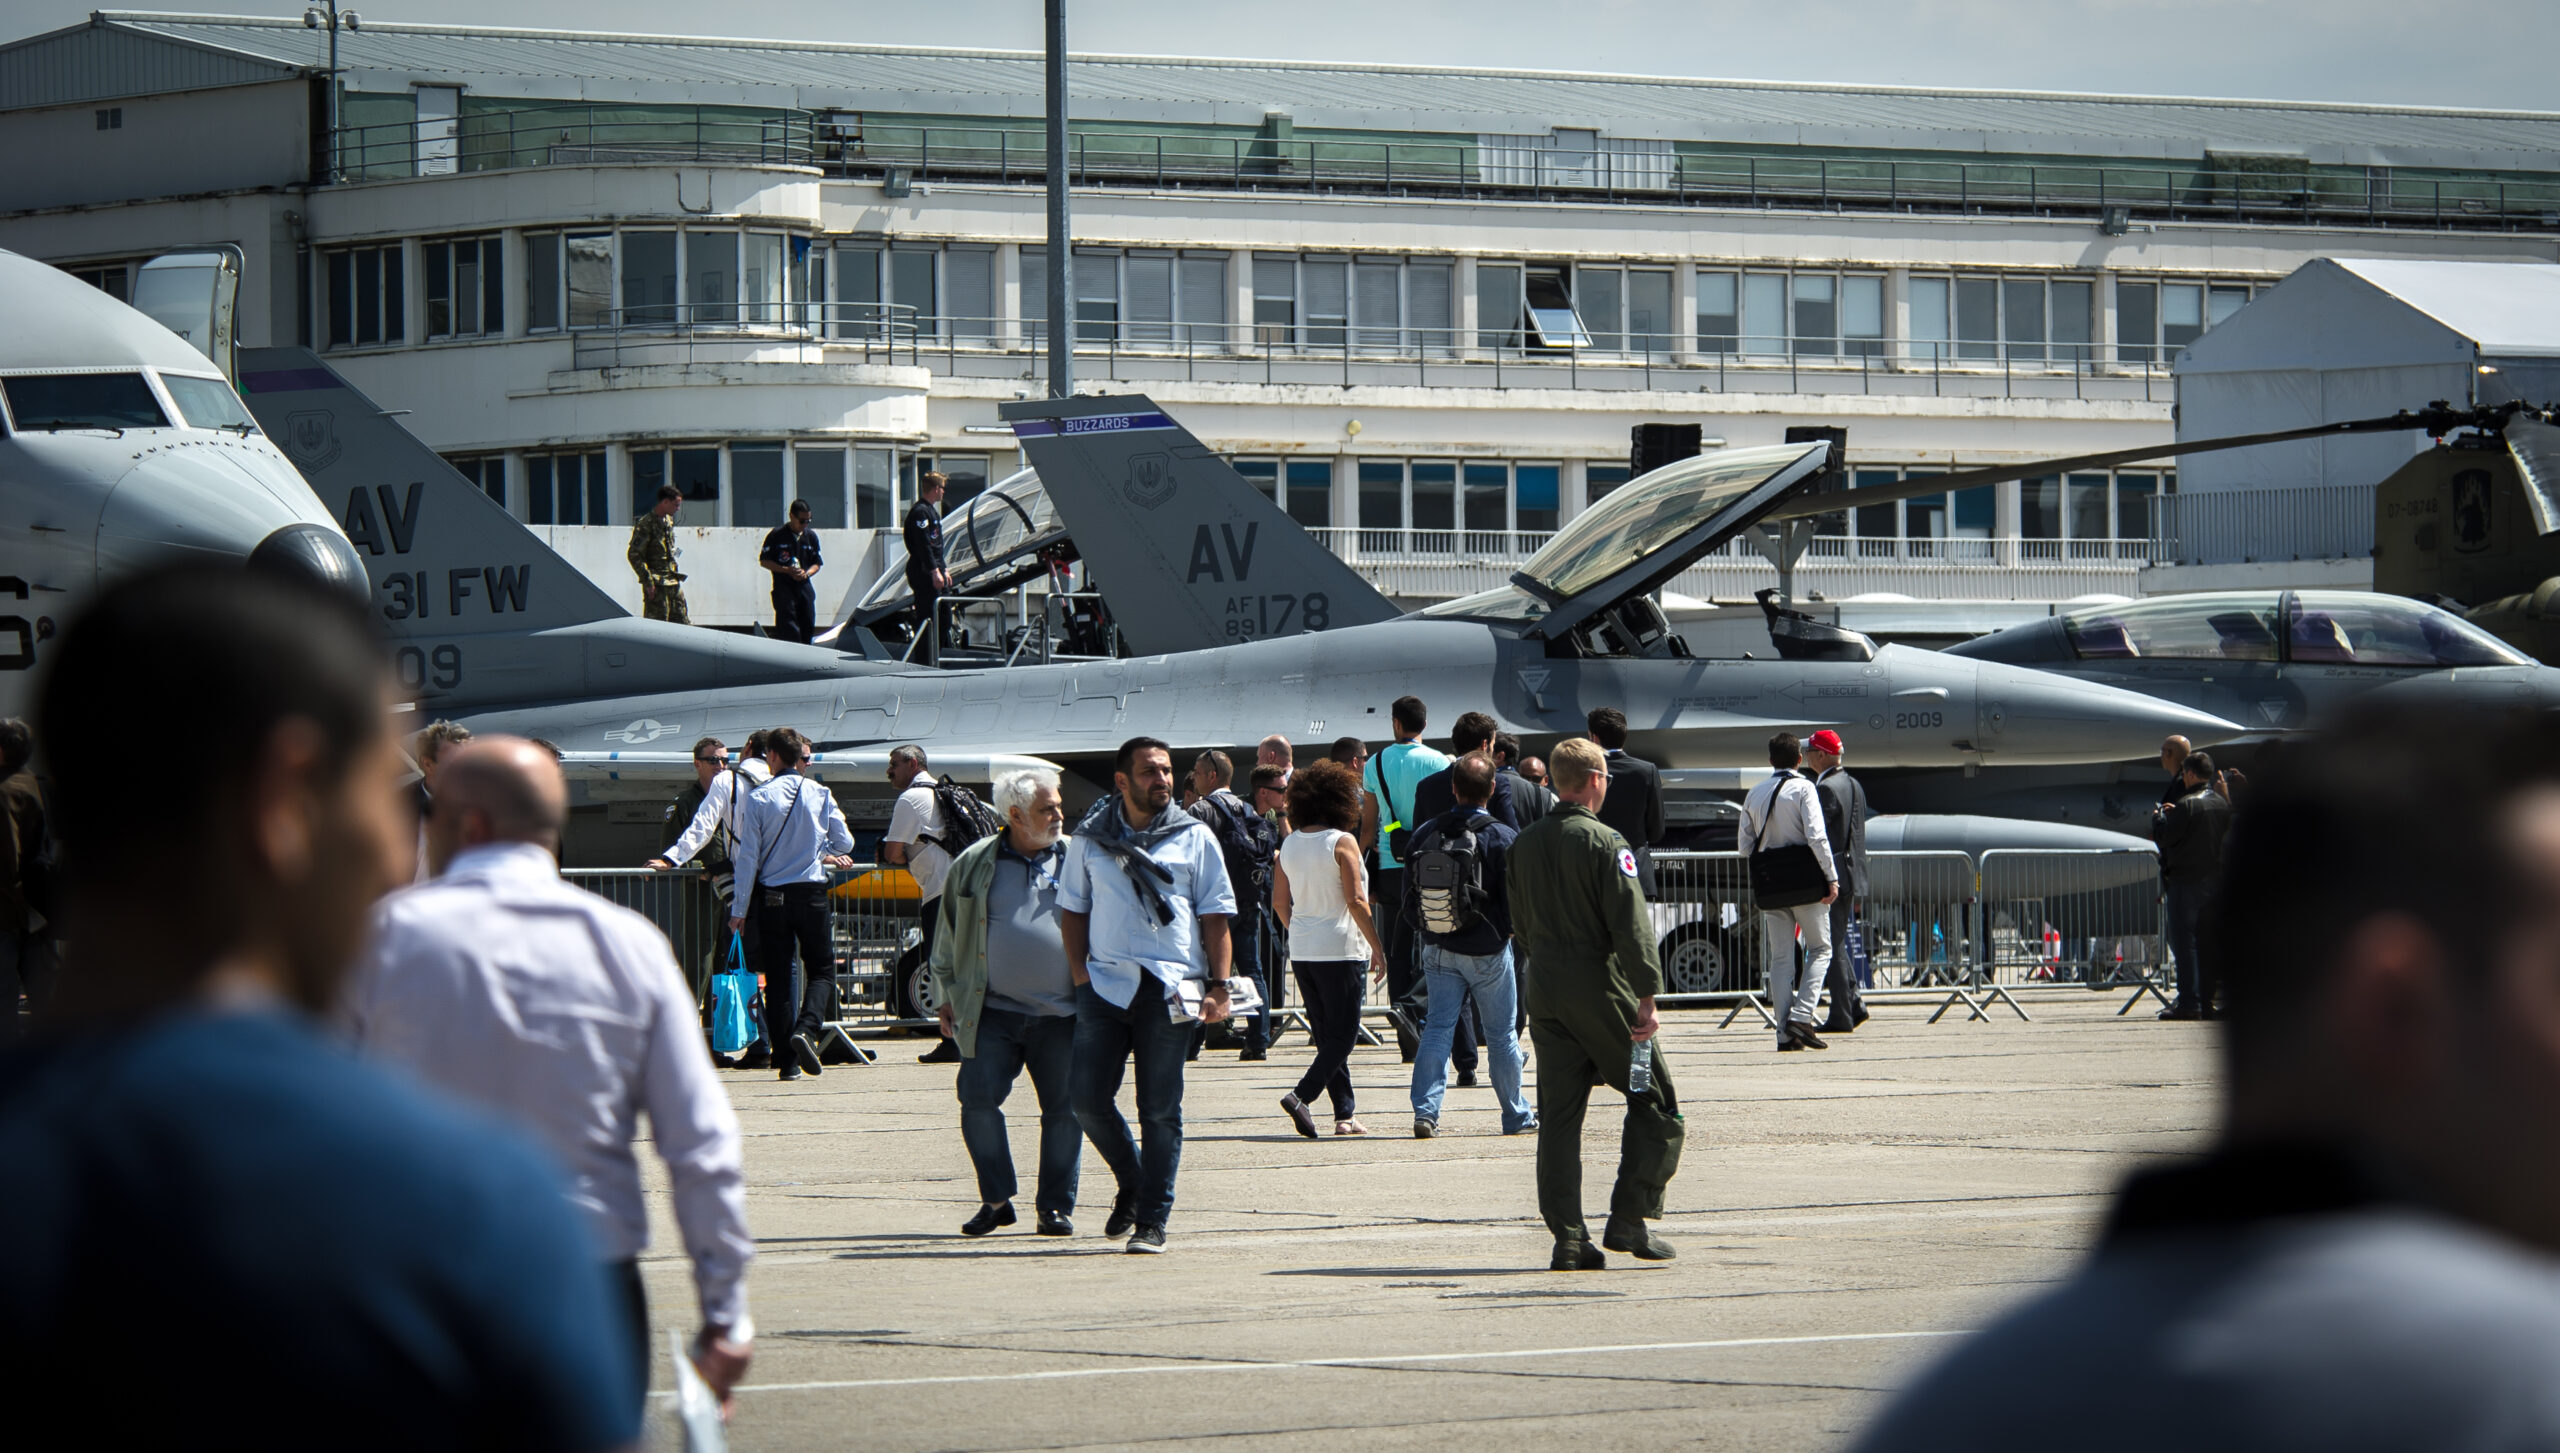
(1404, 973)
(1331, 988)
(791, 995)
(1246, 939)
(1454, 976)
(1108, 1037)
(2186, 913)
(1792, 990)
(1008, 1043)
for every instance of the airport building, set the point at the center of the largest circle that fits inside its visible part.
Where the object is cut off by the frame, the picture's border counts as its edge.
(1423, 307)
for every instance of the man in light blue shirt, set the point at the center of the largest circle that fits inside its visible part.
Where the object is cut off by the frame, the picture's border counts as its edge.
(790, 833)
(1143, 903)
(1390, 780)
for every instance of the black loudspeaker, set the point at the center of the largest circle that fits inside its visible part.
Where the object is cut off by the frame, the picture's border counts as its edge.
(1655, 445)
(1835, 470)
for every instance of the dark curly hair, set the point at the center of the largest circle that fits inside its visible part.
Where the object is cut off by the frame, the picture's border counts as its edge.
(1324, 794)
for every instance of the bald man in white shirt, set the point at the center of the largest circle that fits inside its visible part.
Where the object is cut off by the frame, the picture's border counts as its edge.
(505, 987)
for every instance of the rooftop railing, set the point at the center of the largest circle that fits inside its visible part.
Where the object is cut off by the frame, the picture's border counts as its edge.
(2114, 194)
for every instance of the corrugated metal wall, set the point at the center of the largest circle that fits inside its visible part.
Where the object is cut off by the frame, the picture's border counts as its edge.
(1565, 160)
(98, 64)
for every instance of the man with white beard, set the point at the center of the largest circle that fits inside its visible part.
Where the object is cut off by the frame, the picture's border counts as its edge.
(1000, 972)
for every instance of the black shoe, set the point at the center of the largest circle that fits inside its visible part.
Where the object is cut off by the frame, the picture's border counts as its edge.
(1836, 1024)
(945, 1053)
(835, 1053)
(1858, 1014)
(1466, 1079)
(756, 1059)
(2180, 1011)
(721, 1061)
(1787, 1042)
(1124, 1214)
(988, 1219)
(1805, 1038)
(805, 1050)
(1254, 1054)
(1055, 1225)
(1633, 1238)
(1147, 1241)
(790, 1073)
(1577, 1255)
(1425, 1129)
(1298, 1115)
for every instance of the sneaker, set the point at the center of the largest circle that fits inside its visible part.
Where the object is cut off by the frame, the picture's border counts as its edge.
(1349, 1127)
(805, 1050)
(1466, 1079)
(1055, 1225)
(1254, 1054)
(1577, 1255)
(790, 1073)
(1147, 1241)
(1298, 1114)
(1425, 1129)
(1530, 1128)
(1124, 1214)
(1637, 1240)
(945, 1053)
(988, 1219)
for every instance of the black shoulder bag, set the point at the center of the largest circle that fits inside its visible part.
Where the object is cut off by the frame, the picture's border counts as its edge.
(1785, 877)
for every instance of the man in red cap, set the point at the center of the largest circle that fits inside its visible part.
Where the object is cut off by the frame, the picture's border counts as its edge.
(1844, 821)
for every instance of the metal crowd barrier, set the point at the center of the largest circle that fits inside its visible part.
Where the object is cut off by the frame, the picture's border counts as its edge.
(1937, 926)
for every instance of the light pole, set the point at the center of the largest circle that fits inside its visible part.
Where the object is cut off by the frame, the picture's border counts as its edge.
(326, 16)
(1062, 323)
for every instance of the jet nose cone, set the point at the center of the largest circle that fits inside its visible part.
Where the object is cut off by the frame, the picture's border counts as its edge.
(2031, 718)
(316, 554)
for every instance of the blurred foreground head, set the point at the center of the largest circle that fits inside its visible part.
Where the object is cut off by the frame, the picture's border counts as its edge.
(251, 862)
(2388, 928)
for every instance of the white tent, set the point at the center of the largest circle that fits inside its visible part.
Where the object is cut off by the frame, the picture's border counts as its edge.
(2353, 338)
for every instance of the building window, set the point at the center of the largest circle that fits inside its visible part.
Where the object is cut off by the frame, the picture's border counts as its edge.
(1301, 487)
(755, 485)
(1627, 309)
(367, 296)
(963, 476)
(541, 281)
(569, 489)
(693, 469)
(115, 279)
(2006, 320)
(111, 118)
(1275, 301)
(1599, 479)
(464, 283)
(588, 261)
(488, 471)
(875, 489)
(969, 293)
(2155, 319)
(651, 283)
(1807, 314)
(857, 313)
(1501, 309)
(817, 475)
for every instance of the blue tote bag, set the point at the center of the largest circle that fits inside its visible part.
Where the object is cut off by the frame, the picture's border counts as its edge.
(731, 1027)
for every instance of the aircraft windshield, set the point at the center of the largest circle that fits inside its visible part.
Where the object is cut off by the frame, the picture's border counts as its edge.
(44, 401)
(2239, 626)
(1502, 603)
(208, 403)
(980, 535)
(2340, 628)
(1650, 513)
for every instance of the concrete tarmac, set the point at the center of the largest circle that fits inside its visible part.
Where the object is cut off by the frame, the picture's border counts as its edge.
(1837, 1215)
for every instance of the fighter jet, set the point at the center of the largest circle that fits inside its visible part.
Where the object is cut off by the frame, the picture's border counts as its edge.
(122, 446)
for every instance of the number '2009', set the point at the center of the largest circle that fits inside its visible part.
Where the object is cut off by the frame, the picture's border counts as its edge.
(1919, 718)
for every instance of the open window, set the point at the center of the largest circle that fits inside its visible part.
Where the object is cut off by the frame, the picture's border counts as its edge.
(1552, 323)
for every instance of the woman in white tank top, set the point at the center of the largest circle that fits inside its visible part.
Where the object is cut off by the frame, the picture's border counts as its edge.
(1321, 895)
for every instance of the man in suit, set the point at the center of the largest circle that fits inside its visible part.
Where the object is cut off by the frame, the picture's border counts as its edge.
(1844, 821)
(1634, 803)
(1530, 799)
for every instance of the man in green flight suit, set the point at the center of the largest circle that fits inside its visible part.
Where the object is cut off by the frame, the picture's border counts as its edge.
(653, 559)
(1578, 910)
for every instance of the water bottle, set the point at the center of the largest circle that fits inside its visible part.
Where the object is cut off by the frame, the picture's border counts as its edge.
(1640, 1069)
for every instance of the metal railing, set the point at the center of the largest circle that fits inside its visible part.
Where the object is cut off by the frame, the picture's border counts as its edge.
(762, 330)
(1239, 161)
(2232, 526)
(1938, 927)
(575, 136)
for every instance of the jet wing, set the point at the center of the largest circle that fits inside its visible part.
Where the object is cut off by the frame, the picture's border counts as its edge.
(1189, 555)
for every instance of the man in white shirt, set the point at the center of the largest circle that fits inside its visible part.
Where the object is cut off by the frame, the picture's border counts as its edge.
(1785, 811)
(914, 842)
(790, 834)
(503, 986)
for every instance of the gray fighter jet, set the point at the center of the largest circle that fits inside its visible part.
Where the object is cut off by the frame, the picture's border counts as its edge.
(121, 446)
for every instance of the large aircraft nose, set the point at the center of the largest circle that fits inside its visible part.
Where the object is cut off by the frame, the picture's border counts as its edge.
(314, 553)
(2036, 718)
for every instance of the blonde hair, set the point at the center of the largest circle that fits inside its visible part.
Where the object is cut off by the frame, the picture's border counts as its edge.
(1574, 762)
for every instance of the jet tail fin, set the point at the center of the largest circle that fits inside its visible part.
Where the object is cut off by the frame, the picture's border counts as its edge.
(1190, 555)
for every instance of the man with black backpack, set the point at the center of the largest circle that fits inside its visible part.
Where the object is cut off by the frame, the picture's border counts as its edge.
(1456, 899)
(1247, 840)
(932, 822)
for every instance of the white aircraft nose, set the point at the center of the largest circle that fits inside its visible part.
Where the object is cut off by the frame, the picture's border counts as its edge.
(197, 499)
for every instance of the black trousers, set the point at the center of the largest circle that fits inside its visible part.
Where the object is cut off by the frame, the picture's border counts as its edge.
(795, 612)
(790, 1006)
(1842, 978)
(1331, 989)
(624, 1278)
(926, 593)
(2186, 913)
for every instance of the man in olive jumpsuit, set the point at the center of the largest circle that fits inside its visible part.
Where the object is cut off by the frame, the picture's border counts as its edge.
(653, 559)
(1578, 910)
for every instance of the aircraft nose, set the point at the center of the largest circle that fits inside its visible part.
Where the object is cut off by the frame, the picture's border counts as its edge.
(2030, 718)
(316, 554)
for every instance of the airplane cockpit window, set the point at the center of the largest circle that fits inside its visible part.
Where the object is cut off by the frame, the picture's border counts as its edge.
(1650, 513)
(2342, 628)
(208, 403)
(1502, 603)
(982, 541)
(42, 402)
(2235, 626)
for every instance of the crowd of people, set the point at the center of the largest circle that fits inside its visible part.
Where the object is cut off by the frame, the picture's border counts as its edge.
(440, 1233)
